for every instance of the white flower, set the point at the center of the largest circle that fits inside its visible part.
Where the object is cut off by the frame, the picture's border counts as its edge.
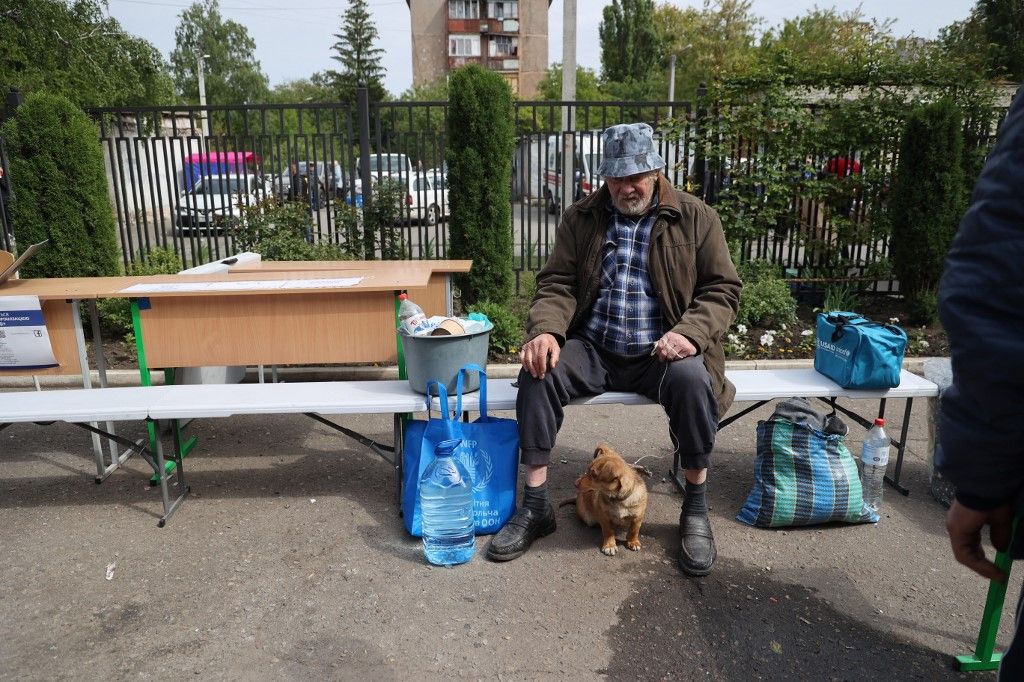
(924, 344)
(894, 320)
(741, 328)
(767, 339)
(783, 327)
(807, 332)
(734, 339)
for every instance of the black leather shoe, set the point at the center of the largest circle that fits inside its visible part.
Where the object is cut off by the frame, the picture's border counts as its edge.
(522, 529)
(696, 544)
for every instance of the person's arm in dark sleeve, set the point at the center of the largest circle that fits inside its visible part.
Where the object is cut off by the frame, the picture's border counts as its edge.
(981, 304)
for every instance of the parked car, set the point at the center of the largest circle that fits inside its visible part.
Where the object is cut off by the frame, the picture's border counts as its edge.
(213, 201)
(427, 198)
(388, 165)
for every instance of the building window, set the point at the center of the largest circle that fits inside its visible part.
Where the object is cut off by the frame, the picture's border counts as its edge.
(463, 9)
(502, 46)
(463, 46)
(507, 9)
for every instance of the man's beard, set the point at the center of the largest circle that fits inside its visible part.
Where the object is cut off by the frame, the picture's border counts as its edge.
(635, 206)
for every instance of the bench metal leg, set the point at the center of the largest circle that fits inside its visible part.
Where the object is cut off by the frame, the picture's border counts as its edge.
(901, 444)
(155, 459)
(674, 474)
(399, 430)
(176, 457)
(901, 447)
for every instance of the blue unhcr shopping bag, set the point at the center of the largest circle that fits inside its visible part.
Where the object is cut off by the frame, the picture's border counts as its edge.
(855, 352)
(489, 451)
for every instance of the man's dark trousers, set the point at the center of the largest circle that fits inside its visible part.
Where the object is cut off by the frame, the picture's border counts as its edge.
(682, 387)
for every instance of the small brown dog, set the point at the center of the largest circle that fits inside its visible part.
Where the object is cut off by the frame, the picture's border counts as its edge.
(611, 494)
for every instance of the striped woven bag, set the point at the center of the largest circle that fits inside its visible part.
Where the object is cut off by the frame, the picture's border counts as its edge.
(802, 477)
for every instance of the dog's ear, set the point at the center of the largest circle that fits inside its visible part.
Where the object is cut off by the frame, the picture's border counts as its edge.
(602, 449)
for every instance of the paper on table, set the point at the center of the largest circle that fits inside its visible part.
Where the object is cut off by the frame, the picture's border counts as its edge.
(243, 285)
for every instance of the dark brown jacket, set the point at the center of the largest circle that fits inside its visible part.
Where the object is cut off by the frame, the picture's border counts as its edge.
(690, 269)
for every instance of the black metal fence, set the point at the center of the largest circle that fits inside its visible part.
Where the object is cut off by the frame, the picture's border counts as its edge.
(170, 187)
(6, 228)
(174, 185)
(177, 175)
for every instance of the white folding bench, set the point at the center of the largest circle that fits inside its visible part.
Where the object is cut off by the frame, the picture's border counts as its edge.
(759, 386)
(161, 403)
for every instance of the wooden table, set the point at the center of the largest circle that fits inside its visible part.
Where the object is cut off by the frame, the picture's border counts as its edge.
(289, 325)
(435, 298)
(190, 325)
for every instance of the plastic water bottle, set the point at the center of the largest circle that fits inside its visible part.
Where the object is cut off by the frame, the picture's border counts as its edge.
(874, 456)
(446, 503)
(410, 316)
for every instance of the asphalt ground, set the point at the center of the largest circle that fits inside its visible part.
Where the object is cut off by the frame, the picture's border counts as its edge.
(289, 561)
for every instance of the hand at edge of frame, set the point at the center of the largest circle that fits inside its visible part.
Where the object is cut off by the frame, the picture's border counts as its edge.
(964, 526)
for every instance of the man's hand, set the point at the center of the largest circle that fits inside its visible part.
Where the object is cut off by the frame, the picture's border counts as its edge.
(540, 354)
(673, 346)
(964, 527)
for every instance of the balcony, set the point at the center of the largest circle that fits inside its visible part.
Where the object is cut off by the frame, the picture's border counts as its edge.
(495, 26)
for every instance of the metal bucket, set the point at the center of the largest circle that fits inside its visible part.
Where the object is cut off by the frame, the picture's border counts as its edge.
(439, 358)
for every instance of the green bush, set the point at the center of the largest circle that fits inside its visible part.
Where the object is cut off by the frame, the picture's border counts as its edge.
(841, 297)
(507, 335)
(116, 313)
(766, 303)
(923, 307)
(766, 300)
(481, 143)
(60, 190)
(362, 234)
(278, 230)
(382, 220)
(927, 196)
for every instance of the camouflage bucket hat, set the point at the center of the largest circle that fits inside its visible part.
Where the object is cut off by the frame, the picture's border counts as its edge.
(628, 150)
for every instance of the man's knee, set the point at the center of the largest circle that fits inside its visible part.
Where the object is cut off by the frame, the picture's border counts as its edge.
(689, 378)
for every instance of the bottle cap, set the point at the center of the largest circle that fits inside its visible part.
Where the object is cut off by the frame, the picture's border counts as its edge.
(879, 422)
(402, 297)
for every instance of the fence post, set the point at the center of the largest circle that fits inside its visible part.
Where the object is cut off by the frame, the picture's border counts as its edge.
(14, 99)
(363, 116)
(699, 155)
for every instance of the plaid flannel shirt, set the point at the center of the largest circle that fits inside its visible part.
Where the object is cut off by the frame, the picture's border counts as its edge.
(626, 317)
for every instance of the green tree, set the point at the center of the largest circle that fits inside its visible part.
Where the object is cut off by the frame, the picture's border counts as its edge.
(60, 189)
(232, 74)
(72, 49)
(708, 43)
(360, 61)
(991, 37)
(588, 87)
(927, 199)
(316, 88)
(481, 142)
(630, 44)
(826, 38)
(1004, 27)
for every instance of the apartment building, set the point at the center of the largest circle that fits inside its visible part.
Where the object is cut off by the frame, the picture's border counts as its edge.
(506, 36)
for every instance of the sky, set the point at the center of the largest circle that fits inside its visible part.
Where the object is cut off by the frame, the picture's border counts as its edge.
(294, 42)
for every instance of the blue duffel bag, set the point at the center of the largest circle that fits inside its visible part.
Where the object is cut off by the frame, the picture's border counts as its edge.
(855, 352)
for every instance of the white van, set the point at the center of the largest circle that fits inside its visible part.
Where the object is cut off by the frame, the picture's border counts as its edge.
(589, 147)
(588, 144)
